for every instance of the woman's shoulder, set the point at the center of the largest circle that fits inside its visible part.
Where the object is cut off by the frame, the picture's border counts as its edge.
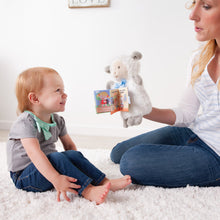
(192, 60)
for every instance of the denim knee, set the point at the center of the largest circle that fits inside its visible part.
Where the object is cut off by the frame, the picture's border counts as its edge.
(134, 164)
(125, 163)
(115, 154)
(55, 156)
(58, 160)
(72, 154)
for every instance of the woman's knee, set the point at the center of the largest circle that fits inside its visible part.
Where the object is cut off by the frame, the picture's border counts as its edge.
(116, 154)
(131, 160)
(127, 167)
(138, 163)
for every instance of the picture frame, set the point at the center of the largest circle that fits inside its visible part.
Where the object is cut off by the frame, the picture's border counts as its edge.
(88, 3)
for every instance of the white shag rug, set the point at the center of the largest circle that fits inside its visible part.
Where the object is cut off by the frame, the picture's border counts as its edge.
(134, 202)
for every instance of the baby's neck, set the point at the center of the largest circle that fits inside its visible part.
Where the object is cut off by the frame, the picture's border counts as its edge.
(46, 117)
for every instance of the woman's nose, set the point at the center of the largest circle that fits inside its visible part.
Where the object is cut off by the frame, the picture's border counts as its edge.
(194, 15)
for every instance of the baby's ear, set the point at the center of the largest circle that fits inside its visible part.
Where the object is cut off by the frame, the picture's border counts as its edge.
(33, 98)
(107, 69)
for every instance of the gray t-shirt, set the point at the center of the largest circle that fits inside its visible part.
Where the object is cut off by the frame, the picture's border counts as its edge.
(25, 127)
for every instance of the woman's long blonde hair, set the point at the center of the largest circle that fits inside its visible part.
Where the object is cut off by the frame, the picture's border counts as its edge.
(206, 53)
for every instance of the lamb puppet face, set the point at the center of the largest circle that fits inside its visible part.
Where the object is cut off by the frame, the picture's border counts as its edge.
(119, 70)
(124, 67)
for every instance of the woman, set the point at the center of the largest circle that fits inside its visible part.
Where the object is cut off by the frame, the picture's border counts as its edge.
(188, 151)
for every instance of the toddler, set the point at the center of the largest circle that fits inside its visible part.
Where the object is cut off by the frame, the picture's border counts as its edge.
(33, 161)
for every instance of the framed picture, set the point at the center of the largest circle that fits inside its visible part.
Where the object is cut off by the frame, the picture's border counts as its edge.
(88, 3)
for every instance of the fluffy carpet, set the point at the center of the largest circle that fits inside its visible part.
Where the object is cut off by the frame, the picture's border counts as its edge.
(134, 202)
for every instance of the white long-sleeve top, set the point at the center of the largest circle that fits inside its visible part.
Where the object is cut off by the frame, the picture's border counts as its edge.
(204, 123)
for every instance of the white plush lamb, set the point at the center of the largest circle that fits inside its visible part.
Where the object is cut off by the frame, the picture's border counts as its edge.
(125, 73)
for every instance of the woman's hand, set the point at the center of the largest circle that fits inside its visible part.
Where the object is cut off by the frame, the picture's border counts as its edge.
(64, 184)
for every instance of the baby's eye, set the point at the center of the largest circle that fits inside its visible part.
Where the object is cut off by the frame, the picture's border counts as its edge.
(119, 67)
(60, 90)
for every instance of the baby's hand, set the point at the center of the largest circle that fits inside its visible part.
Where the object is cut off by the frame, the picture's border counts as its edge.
(65, 184)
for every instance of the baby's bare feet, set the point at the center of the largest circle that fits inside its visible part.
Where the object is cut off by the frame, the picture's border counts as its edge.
(96, 193)
(118, 184)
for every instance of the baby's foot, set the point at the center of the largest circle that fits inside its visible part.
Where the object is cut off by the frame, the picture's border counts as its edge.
(121, 183)
(118, 184)
(96, 193)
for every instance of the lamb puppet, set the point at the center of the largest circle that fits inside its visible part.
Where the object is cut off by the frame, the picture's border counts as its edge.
(125, 73)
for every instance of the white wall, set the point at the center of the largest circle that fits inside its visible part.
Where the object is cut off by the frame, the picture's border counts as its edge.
(79, 43)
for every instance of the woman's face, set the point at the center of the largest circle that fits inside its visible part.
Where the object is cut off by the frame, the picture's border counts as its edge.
(206, 17)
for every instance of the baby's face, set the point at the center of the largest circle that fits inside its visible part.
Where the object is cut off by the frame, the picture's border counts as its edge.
(52, 97)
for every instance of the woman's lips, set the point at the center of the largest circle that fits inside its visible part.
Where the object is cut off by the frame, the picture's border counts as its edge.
(198, 29)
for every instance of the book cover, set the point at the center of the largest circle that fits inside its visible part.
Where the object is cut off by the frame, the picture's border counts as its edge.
(112, 100)
(102, 101)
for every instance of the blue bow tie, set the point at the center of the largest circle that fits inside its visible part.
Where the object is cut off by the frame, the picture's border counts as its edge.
(121, 84)
(45, 127)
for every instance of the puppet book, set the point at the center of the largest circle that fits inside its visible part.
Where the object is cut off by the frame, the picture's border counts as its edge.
(112, 100)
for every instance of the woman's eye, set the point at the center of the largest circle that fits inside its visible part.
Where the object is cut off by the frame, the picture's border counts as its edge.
(192, 3)
(205, 6)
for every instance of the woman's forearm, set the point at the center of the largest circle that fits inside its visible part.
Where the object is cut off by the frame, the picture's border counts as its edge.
(166, 116)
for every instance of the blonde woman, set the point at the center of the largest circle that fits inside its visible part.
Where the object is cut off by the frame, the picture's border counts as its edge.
(188, 151)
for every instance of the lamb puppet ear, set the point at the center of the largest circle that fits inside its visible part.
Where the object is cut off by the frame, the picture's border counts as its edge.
(136, 55)
(107, 69)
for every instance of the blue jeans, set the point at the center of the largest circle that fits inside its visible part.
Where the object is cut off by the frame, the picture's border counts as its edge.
(168, 157)
(70, 163)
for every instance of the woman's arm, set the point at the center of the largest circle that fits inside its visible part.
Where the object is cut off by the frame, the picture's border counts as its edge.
(61, 183)
(166, 116)
(68, 143)
(183, 115)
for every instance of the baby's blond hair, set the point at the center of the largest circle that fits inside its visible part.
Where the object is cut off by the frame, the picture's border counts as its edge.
(31, 80)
